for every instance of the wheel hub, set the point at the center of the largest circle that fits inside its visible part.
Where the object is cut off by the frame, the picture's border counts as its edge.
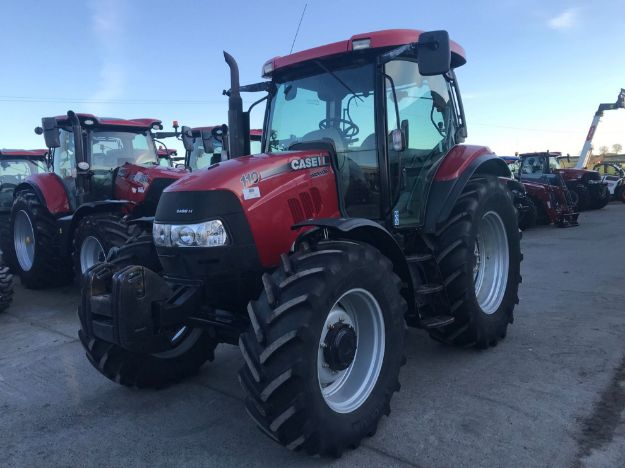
(340, 346)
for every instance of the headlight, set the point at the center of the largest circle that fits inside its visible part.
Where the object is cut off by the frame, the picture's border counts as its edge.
(208, 234)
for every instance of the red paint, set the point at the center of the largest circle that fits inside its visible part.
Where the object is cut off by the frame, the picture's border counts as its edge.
(35, 154)
(552, 200)
(53, 191)
(132, 181)
(269, 216)
(386, 38)
(166, 152)
(458, 160)
(591, 133)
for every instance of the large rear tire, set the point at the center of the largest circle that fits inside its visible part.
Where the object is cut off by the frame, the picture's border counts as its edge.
(191, 347)
(479, 256)
(324, 349)
(603, 198)
(36, 244)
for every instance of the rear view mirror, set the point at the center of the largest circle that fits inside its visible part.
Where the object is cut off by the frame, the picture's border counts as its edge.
(187, 138)
(399, 142)
(50, 131)
(207, 142)
(434, 53)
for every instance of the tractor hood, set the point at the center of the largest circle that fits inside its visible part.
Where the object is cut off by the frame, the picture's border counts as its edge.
(578, 174)
(248, 175)
(133, 182)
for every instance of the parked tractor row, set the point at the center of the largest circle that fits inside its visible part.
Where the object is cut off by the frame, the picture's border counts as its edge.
(359, 212)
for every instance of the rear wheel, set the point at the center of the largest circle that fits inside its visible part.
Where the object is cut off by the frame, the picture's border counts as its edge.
(36, 244)
(322, 356)
(190, 347)
(583, 197)
(602, 199)
(479, 256)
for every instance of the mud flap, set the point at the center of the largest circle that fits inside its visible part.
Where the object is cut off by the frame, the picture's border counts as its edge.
(129, 306)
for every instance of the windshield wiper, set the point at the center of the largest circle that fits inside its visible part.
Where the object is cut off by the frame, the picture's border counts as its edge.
(327, 70)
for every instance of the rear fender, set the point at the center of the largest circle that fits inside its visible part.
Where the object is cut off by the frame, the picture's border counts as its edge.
(50, 191)
(364, 231)
(452, 176)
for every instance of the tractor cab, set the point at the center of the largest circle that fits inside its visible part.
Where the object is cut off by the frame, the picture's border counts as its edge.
(168, 157)
(386, 119)
(88, 166)
(540, 167)
(15, 167)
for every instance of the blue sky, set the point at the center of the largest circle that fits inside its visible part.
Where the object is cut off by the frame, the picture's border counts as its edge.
(535, 75)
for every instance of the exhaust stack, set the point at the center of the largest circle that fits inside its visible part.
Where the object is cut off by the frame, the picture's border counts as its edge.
(238, 121)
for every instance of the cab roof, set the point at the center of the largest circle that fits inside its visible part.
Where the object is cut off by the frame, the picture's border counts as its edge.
(378, 39)
(145, 123)
(34, 154)
(555, 154)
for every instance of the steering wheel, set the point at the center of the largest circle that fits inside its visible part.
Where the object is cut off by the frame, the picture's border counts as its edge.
(350, 129)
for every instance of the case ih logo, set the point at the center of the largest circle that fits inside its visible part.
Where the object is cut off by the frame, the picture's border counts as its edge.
(307, 163)
(184, 211)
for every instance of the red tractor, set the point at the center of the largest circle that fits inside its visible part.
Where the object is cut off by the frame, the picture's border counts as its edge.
(586, 187)
(547, 200)
(363, 214)
(82, 207)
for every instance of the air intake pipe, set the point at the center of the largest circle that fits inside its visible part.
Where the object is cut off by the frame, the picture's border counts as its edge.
(238, 121)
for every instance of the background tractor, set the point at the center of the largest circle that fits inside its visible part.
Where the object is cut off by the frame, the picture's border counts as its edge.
(614, 176)
(586, 187)
(15, 167)
(103, 172)
(364, 213)
(553, 201)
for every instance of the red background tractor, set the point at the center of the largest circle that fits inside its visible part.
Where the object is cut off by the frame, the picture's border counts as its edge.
(103, 171)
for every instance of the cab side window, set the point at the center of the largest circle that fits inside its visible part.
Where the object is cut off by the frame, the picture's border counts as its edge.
(64, 156)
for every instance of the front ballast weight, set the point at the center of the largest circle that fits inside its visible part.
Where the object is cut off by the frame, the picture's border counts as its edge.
(133, 307)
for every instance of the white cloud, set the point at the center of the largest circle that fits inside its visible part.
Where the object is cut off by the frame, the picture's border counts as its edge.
(568, 19)
(107, 26)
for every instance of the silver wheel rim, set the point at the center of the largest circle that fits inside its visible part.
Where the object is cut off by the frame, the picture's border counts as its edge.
(24, 240)
(346, 390)
(492, 259)
(91, 253)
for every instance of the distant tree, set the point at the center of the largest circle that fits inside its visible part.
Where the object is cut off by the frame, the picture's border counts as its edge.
(617, 148)
(603, 150)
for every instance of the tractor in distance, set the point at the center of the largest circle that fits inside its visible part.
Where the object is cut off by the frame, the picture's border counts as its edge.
(104, 172)
(587, 189)
(15, 166)
(553, 201)
(613, 175)
(364, 213)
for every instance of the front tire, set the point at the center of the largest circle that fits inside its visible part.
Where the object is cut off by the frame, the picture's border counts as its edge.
(603, 199)
(191, 347)
(36, 244)
(479, 256)
(322, 356)
(95, 236)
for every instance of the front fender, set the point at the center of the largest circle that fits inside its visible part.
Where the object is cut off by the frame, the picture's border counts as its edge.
(365, 231)
(453, 174)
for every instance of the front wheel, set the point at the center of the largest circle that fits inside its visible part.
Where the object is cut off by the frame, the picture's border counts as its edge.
(479, 256)
(324, 349)
(190, 347)
(6, 288)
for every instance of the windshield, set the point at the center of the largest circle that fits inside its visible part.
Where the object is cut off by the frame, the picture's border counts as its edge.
(554, 163)
(200, 159)
(16, 170)
(337, 108)
(114, 149)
